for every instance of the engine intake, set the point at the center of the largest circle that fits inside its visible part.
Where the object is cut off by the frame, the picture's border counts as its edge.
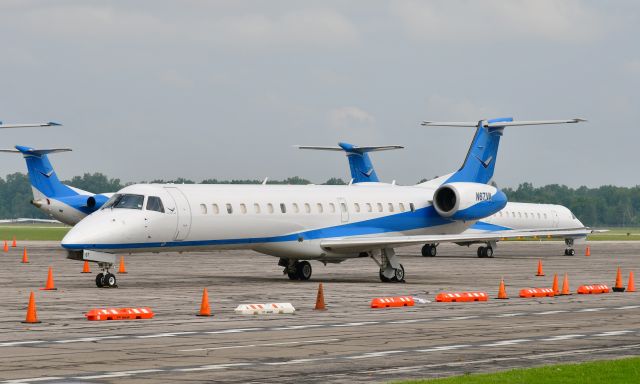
(468, 201)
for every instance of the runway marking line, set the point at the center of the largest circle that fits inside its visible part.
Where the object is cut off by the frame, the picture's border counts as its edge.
(260, 345)
(294, 327)
(505, 342)
(349, 357)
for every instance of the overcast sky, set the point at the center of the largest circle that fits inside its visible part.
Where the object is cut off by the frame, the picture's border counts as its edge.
(224, 89)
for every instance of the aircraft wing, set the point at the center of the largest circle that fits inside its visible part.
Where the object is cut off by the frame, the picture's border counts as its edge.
(361, 243)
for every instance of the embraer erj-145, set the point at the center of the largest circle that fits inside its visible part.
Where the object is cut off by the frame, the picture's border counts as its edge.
(60, 201)
(70, 205)
(310, 222)
(512, 216)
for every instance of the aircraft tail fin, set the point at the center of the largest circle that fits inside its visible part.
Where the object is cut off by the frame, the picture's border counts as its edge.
(359, 162)
(481, 158)
(44, 180)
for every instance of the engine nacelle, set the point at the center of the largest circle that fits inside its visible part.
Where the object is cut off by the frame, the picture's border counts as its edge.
(93, 203)
(468, 201)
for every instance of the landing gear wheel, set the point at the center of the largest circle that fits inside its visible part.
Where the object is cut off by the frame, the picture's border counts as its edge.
(429, 250)
(399, 274)
(292, 275)
(303, 270)
(100, 276)
(488, 252)
(383, 278)
(569, 252)
(109, 280)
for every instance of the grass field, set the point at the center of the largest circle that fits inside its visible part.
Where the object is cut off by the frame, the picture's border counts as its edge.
(33, 232)
(610, 372)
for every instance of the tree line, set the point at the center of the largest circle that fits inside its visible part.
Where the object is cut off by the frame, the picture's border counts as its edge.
(602, 206)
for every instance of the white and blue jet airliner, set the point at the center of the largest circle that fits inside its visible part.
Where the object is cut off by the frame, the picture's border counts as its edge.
(311, 222)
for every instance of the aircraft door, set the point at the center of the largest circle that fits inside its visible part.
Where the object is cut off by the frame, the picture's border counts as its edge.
(344, 209)
(183, 210)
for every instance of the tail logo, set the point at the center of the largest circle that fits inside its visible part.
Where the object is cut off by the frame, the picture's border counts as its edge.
(367, 173)
(485, 163)
(48, 174)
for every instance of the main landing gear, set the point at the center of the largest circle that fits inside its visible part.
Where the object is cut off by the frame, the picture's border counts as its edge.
(485, 251)
(569, 251)
(296, 270)
(429, 250)
(390, 268)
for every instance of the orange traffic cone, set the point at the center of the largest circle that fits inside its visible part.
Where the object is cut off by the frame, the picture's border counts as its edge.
(587, 252)
(32, 316)
(565, 285)
(85, 267)
(320, 299)
(205, 310)
(49, 286)
(556, 291)
(631, 287)
(13, 243)
(540, 272)
(25, 257)
(618, 287)
(122, 268)
(6, 246)
(502, 293)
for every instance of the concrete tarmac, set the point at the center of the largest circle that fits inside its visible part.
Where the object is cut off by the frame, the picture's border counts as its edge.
(349, 342)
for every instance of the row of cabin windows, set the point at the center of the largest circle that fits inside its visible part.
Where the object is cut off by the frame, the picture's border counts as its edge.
(307, 208)
(520, 215)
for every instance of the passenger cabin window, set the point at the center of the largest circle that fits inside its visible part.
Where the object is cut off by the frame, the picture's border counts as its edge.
(270, 208)
(307, 208)
(412, 207)
(155, 204)
(356, 206)
(256, 208)
(379, 207)
(320, 208)
(343, 207)
(332, 208)
(229, 208)
(283, 208)
(215, 209)
(390, 207)
(401, 207)
(243, 208)
(127, 201)
(538, 215)
(203, 208)
(295, 208)
(545, 216)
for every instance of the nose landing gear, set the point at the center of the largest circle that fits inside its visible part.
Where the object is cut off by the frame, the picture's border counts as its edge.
(106, 279)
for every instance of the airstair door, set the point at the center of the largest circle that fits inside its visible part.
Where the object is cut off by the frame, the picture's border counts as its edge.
(183, 211)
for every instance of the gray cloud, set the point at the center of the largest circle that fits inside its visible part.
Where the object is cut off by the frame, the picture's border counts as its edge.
(162, 89)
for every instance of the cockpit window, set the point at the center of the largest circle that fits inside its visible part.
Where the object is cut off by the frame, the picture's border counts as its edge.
(155, 204)
(127, 201)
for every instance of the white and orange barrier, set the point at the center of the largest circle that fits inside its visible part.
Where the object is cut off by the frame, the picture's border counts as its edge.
(593, 289)
(537, 292)
(268, 308)
(119, 314)
(396, 301)
(455, 297)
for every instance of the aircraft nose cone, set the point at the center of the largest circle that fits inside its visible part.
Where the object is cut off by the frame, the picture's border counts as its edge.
(79, 237)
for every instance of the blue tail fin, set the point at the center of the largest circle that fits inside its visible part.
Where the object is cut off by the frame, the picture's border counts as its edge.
(42, 175)
(481, 158)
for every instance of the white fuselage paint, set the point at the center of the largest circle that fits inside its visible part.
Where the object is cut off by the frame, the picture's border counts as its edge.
(201, 217)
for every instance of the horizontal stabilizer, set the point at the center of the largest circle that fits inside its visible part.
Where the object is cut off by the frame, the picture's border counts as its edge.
(33, 151)
(49, 124)
(495, 123)
(352, 148)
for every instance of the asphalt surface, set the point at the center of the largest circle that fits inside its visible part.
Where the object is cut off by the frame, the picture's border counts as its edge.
(349, 342)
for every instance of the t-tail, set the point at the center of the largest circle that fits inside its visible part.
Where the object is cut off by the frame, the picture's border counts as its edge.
(481, 158)
(60, 201)
(360, 164)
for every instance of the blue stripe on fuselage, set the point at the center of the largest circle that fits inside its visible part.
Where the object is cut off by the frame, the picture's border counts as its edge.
(405, 221)
(483, 226)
